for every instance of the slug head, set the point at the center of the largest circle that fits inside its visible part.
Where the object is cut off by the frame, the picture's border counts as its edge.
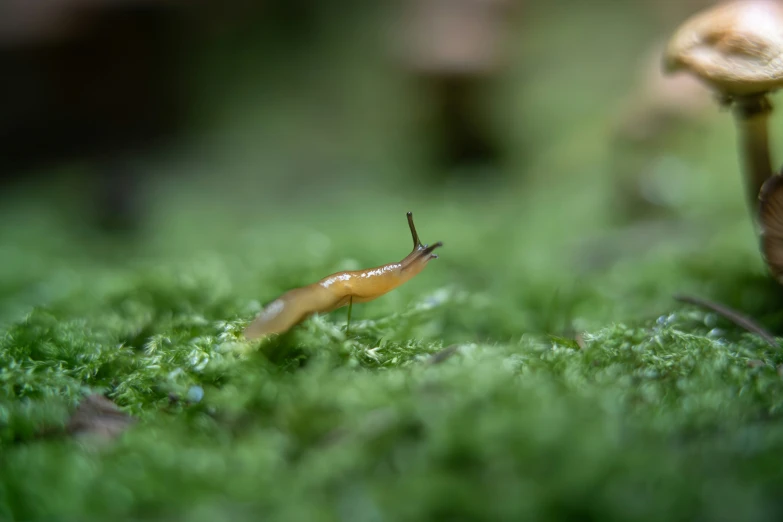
(421, 253)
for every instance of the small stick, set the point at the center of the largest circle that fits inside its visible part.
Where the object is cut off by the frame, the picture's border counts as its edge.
(444, 354)
(732, 315)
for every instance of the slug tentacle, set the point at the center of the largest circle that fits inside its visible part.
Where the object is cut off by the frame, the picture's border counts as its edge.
(340, 289)
(420, 252)
(414, 234)
(428, 250)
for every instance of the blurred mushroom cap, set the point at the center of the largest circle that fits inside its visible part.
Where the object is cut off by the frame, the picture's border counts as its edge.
(659, 101)
(456, 36)
(735, 47)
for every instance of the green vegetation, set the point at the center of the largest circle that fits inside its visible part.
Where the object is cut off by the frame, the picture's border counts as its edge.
(663, 411)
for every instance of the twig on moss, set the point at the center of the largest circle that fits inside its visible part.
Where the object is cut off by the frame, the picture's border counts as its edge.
(443, 355)
(732, 315)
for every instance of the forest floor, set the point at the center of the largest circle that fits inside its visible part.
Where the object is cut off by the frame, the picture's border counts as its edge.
(540, 368)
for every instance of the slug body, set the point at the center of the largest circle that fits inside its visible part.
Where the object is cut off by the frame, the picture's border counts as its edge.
(340, 289)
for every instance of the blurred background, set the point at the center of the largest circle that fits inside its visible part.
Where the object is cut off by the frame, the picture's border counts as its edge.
(538, 140)
(296, 96)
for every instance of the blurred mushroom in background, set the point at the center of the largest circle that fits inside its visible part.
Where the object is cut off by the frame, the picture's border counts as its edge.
(659, 101)
(652, 113)
(455, 51)
(672, 13)
(90, 82)
(657, 109)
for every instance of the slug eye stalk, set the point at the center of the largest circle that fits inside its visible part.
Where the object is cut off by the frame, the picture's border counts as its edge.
(419, 250)
(414, 234)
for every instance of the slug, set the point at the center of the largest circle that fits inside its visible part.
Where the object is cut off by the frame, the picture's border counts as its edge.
(340, 289)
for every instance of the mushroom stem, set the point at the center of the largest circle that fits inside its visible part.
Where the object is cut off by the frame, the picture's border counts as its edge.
(752, 116)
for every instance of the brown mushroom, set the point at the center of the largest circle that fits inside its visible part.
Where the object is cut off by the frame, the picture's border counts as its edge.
(736, 48)
(771, 224)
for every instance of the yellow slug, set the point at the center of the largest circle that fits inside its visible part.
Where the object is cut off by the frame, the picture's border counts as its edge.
(340, 289)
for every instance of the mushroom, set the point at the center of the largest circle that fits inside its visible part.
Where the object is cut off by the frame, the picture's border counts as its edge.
(736, 48)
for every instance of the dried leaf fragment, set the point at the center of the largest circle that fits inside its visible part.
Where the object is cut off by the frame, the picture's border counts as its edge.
(98, 416)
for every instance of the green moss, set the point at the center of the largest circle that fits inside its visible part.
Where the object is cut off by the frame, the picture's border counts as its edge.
(655, 418)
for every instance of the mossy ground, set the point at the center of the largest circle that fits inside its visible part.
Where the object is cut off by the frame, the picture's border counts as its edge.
(663, 412)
